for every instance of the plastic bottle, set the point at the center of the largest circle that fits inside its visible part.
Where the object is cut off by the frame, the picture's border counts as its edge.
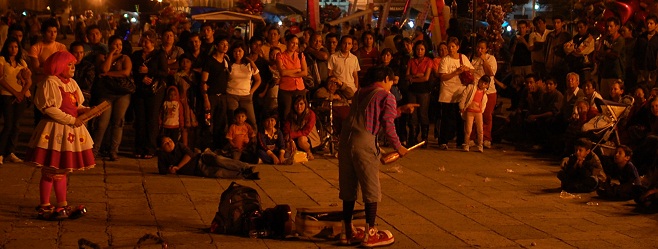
(208, 118)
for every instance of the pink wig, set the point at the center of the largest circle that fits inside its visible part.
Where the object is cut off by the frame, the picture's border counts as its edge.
(57, 63)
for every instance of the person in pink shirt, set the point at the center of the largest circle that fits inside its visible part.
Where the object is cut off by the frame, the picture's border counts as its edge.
(472, 104)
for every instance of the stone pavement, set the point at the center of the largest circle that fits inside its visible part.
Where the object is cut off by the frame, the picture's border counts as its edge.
(432, 199)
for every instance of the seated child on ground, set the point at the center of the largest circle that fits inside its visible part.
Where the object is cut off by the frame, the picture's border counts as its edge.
(271, 144)
(240, 135)
(176, 158)
(625, 173)
(582, 171)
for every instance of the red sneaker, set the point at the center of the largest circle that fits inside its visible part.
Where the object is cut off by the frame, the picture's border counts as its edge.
(376, 238)
(358, 234)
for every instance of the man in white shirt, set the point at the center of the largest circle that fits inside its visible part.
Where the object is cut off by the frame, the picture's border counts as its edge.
(537, 39)
(344, 65)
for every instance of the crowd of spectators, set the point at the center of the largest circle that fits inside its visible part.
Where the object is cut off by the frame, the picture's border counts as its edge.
(250, 98)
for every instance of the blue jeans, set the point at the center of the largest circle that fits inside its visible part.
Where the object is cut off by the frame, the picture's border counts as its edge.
(113, 117)
(12, 112)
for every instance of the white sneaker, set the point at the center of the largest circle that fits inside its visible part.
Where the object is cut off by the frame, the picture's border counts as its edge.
(14, 159)
(471, 143)
(465, 148)
(487, 144)
(480, 148)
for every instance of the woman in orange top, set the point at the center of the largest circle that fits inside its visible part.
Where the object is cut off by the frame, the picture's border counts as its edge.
(292, 67)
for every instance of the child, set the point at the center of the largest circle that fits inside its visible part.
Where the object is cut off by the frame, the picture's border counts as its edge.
(472, 106)
(625, 172)
(582, 171)
(186, 80)
(172, 115)
(271, 144)
(176, 158)
(60, 143)
(240, 134)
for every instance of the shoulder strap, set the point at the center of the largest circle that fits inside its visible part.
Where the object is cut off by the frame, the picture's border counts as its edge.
(362, 104)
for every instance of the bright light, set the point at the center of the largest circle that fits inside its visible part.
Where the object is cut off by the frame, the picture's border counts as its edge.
(159, 1)
(280, 23)
(133, 20)
(411, 24)
(536, 6)
(125, 15)
(48, 7)
(25, 13)
(509, 29)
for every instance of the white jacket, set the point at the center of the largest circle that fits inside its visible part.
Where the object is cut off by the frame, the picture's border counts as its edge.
(467, 98)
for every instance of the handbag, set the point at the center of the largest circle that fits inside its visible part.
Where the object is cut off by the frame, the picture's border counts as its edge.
(157, 84)
(466, 77)
(118, 85)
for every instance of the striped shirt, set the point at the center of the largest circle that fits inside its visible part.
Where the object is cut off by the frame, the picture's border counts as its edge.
(382, 110)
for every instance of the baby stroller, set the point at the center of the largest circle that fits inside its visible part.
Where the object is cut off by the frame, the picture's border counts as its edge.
(604, 125)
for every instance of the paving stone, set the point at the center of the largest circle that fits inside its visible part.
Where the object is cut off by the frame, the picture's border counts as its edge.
(484, 239)
(440, 199)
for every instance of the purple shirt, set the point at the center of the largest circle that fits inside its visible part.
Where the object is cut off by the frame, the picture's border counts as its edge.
(381, 110)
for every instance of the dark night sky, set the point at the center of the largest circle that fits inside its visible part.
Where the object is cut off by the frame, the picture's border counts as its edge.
(144, 5)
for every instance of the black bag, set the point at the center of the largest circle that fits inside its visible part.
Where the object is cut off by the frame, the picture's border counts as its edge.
(117, 85)
(239, 207)
(312, 79)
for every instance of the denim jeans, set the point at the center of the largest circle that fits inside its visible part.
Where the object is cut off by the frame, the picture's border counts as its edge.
(114, 118)
(147, 113)
(235, 101)
(215, 166)
(12, 112)
(421, 115)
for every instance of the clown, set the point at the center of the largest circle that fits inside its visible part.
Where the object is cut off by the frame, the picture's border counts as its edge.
(60, 143)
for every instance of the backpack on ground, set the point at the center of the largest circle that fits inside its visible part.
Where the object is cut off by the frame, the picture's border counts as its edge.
(239, 207)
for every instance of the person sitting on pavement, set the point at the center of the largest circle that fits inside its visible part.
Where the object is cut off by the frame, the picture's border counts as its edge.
(300, 126)
(625, 173)
(240, 135)
(271, 143)
(176, 158)
(582, 171)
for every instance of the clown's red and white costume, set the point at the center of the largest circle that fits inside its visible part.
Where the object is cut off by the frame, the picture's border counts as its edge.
(56, 142)
(60, 143)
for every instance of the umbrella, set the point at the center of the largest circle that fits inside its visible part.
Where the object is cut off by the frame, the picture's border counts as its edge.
(280, 9)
